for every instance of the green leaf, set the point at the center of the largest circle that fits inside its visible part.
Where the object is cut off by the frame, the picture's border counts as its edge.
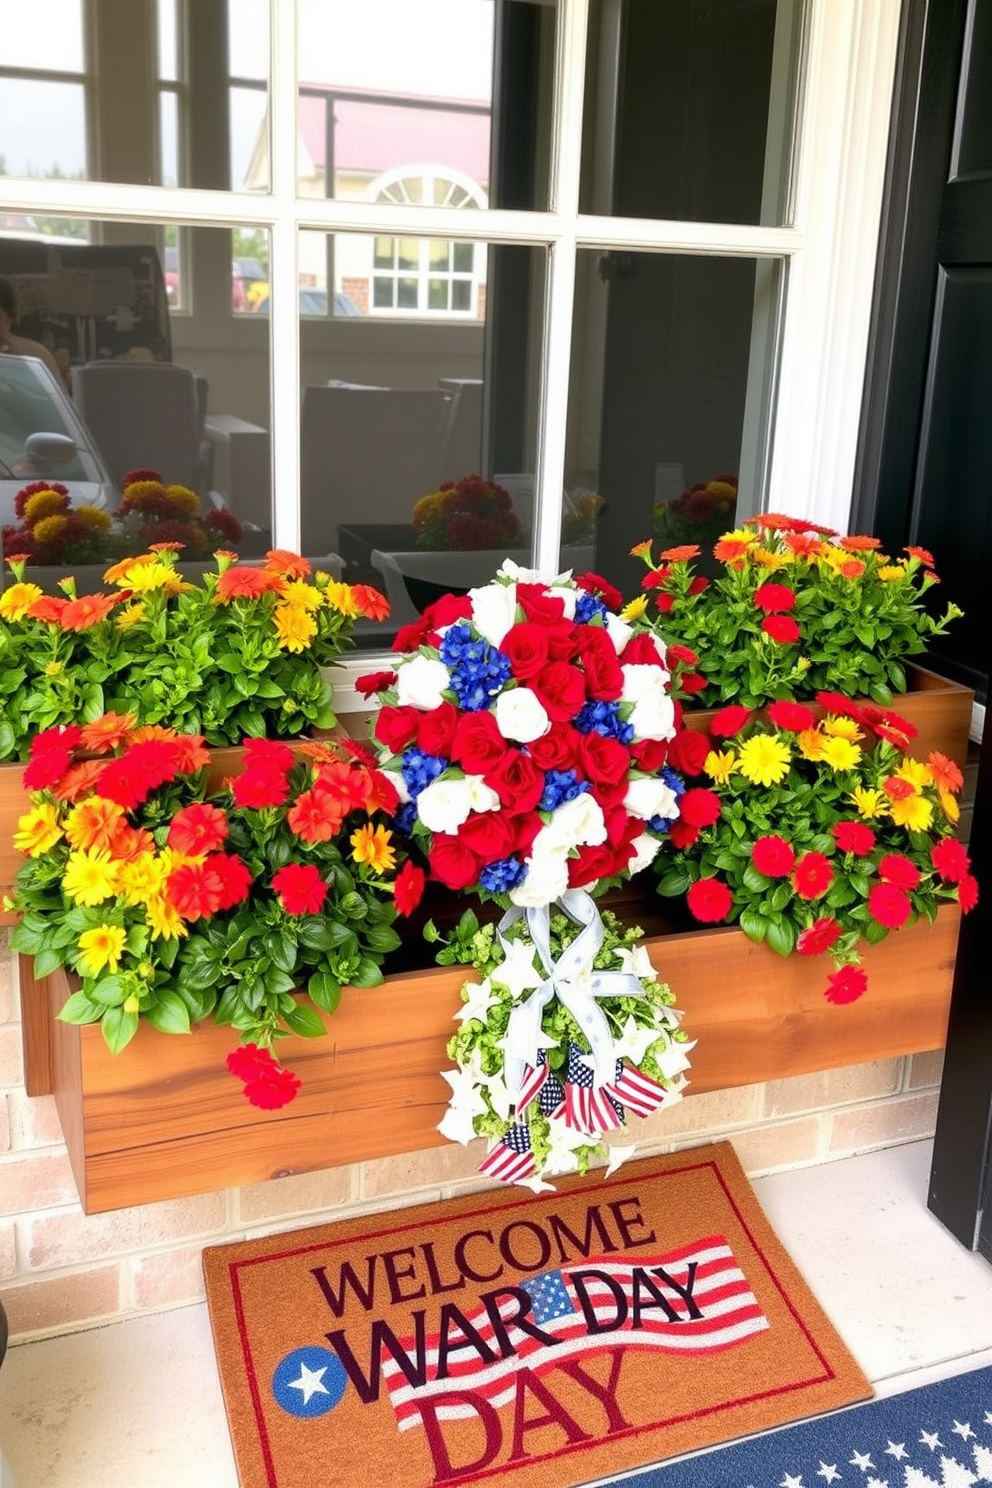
(168, 1013)
(754, 925)
(367, 974)
(281, 950)
(78, 1008)
(325, 990)
(782, 936)
(47, 961)
(305, 1021)
(676, 881)
(108, 991)
(381, 939)
(317, 934)
(118, 1028)
(755, 881)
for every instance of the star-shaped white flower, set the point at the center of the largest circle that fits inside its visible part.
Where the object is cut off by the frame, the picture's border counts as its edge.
(499, 1094)
(673, 1060)
(634, 1041)
(310, 1382)
(564, 1141)
(636, 962)
(862, 1460)
(480, 999)
(536, 1184)
(618, 1156)
(517, 972)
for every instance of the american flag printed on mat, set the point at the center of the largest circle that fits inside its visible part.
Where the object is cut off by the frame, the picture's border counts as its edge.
(696, 1299)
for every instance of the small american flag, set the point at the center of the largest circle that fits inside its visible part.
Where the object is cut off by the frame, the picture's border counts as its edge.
(588, 1109)
(511, 1159)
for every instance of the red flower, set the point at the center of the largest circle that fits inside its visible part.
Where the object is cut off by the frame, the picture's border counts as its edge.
(730, 720)
(812, 875)
(197, 830)
(709, 900)
(374, 682)
(51, 756)
(604, 761)
(950, 860)
(895, 869)
(235, 877)
(526, 645)
(270, 753)
(782, 629)
(773, 856)
(604, 679)
(642, 650)
(836, 702)
(680, 656)
(968, 893)
(591, 864)
(300, 888)
(688, 750)
(436, 733)
(489, 834)
(818, 937)
(478, 745)
(924, 556)
(245, 583)
(650, 754)
(408, 888)
(453, 864)
(260, 786)
(517, 781)
(699, 807)
(665, 603)
(316, 815)
(845, 985)
(595, 584)
(889, 905)
(131, 777)
(397, 727)
(195, 890)
(853, 837)
(562, 690)
(793, 717)
(537, 604)
(691, 682)
(87, 611)
(774, 598)
(267, 1084)
(559, 748)
(681, 834)
(370, 602)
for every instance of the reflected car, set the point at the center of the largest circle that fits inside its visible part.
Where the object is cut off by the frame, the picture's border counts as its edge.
(42, 438)
(314, 302)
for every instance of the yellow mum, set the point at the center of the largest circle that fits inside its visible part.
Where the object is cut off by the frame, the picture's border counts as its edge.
(891, 572)
(142, 577)
(374, 845)
(305, 596)
(187, 500)
(94, 518)
(915, 772)
(38, 830)
(635, 609)
(340, 597)
(43, 504)
(764, 759)
(134, 613)
(840, 727)
(870, 803)
(840, 753)
(101, 947)
(915, 813)
(164, 921)
(772, 561)
(141, 879)
(811, 743)
(720, 767)
(295, 627)
(18, 599)
(90, 877)
(50, 529)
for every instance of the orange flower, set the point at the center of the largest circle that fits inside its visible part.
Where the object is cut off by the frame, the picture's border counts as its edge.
(681, 554)
(87, 611)
(146, 731)
(350, 783)
(118, 570)
(773, 522)
(641, 549)
(802, 544)
(922, 554)
(48, 608)
(290, 565)
(370, 602)
(193, 753)
(107, 733)
(851, 568)
(93, 824)
(731, 549)
(79, 780)
(857, 544)
(316, 815)
(898, 789)
(131, 843)
(947, 776)
(246, 583)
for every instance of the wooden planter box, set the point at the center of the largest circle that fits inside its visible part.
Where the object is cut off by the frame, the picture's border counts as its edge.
(165, 1119)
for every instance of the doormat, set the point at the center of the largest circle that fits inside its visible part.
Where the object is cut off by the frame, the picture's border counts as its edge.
(539, 1341)
(936, 1436)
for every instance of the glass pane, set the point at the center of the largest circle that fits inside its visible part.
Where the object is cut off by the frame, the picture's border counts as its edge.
(666, 431)
(47, 34)
(169, 121)
(424, 93)
(437, 294)
(250, 270)
(461, 295)
(42, 128)
(409, 253)
(463, 258)
(974, 150)
(406, 294)
(382, 297)
(696, 121)
(439, 257)
(135, 385)
(384, 248)
(168, 40)
(249, 140)
(248, 38)
(391, 416)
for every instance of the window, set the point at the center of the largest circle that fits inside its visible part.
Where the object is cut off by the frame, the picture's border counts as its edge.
(655, 280)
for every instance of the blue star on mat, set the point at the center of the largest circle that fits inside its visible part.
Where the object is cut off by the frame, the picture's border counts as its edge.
(309, 1382)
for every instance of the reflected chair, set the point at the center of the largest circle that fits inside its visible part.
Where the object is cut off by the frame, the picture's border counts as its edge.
(146, 413)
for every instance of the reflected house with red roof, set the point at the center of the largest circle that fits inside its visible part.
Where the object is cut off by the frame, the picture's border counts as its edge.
(364, 145)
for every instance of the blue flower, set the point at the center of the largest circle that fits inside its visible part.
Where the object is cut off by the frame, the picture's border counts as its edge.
(604, 718)
(674, 782)
(560, 786)
(504, 874)
(588, 607)
(405, 818)
(478, 670)
(419, 769)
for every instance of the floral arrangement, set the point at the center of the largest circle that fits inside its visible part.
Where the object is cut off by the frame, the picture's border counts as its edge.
(817, 836)
(796, 610)
(176, 896)
(699, 515)
(578, 523)
(238, 653)
(466, 514)
(51, 531)
(532, 734)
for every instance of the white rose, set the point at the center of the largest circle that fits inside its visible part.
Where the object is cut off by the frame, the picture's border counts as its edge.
(576, 823)
(481, 797)
(520, 715)
(494, 610)
(645, 850)
(653, 717)
(508, 569)
(444, 804)
(618, 631)
(640, 680)
(546, 879)
(421, 682)
(568, 595)
(650, 797)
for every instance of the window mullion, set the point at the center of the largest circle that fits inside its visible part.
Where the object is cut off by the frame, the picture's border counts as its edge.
(284, 320)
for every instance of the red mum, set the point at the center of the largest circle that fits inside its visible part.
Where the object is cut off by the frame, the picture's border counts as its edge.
(408, 888)
(895, 869)
(709, 900)
(793, 717)
(195, 890)
(300, 888)
(950, 860)
(260, 786)
(197, 830)
(968, 893)
(889, 905)
(818, 937)
(267, 1084)
(846, 985)
(729, 720)
(774, 598)
(853, 837)
(812, 875)
(782, 629)
(773, 856)
(235, 877)
(700, 808)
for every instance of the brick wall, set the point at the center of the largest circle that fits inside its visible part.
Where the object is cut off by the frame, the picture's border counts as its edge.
(61, 1270)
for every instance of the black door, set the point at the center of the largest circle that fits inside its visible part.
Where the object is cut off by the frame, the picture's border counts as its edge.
(925, 475)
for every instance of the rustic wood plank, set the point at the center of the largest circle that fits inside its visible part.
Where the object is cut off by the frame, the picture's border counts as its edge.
(36, 1025)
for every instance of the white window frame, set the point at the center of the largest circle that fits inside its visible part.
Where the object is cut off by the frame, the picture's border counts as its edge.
(829, 250)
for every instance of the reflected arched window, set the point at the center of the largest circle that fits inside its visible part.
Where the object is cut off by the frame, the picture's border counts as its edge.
(427, 276)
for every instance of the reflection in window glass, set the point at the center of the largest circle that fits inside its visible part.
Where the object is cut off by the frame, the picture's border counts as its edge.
(454, 403)
(168, 39)
(42, 128)
(47, 34)
(249, 140)
(668, 423)
(168, 113)
(248, 38)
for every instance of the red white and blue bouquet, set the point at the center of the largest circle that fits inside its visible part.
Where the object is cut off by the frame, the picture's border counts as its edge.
(533, 734)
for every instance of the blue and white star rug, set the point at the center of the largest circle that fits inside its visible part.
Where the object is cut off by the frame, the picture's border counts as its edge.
(937, 1436)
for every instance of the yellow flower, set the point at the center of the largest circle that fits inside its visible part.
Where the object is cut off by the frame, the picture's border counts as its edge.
(720, 767)
(296, 592)
(90, 877)
(295, 628)
(840, 728)
(870, 803)
(38, 830)
(340, 597)
(803, 664)
(164, 921)
(811, 743)
(93, 823)
(426, 507)
(142, 577)
(915, 813)
(891, 572)
(54, 669)
(141, 879)
(374, 845)
(18, 599)
(134, 613)
(949, 805)
(840, 754)
(43, 504)
(772, 561)
(100, 947)
(50, 529)
(916, 772)
(187, 500)
(764, 759)
(94, 518)
(635, 609)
